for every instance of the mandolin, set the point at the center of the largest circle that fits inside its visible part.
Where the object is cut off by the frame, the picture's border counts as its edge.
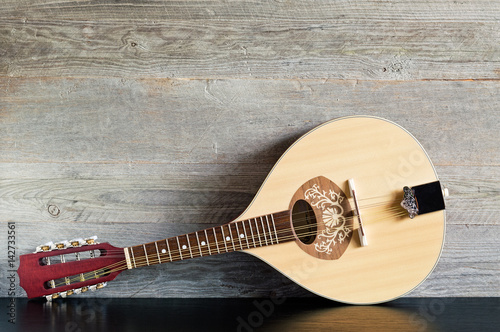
(353, 211)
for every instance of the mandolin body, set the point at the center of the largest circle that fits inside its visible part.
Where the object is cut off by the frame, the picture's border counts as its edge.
(381, 157)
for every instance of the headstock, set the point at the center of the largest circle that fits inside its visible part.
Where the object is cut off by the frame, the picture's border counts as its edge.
(69, 267)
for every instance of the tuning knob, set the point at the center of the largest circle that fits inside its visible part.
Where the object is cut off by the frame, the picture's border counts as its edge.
(45, 247)
(101, 285)
(77, 242)
(91, 240)
(75, 291)
(61, 245)
(66, 244)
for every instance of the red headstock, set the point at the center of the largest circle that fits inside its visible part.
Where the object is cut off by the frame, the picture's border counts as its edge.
(69, 267)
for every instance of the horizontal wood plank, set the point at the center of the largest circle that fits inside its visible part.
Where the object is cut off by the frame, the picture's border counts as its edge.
(111, 120)
(400, 40)
(237, 10)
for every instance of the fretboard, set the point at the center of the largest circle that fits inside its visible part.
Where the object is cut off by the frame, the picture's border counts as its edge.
(238, 235)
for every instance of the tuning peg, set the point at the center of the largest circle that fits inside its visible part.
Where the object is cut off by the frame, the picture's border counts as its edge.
(75, 291)
(52, 296)
(101, 285)
(66, 244)
(77, 242)
(58, 295)
(61, 245)
(45, 247)
(91, 240)
(98, 286)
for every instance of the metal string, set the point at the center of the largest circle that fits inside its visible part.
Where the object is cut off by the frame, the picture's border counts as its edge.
(176, 254)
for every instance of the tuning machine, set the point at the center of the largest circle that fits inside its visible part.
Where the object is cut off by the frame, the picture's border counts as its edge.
(77, 242)
(49, 246)
(80, 290)
(91, 240)
(61, 245)
(45, 247)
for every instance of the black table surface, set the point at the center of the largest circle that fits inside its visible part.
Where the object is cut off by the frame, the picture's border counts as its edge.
(246, 315)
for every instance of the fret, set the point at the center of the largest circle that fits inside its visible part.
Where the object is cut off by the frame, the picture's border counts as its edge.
(245, 231)
(231, 236)
(158, 253)
(168, 249)
(258, 233)
(263, 230)
(283, 226)
(145, 254)
(208, 242)
(133, 258)
(239, 235)
(140, 257)
(186, 253)
(224, 238)
(189, 245)
(269, 229)
(179, 246)
(151, 253)
(216, 241)
(193, 244)
(251, 230)
(161, 248)
(274, 227)
(199, 246)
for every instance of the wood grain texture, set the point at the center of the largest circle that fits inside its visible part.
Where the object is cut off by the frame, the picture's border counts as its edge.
(150, 10)
(139, 121)
(174, 121)
(313, 39)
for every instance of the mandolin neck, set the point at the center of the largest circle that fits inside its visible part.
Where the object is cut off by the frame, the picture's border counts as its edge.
(262, 231)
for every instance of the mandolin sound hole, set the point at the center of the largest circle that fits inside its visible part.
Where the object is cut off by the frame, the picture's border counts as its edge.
(304, 221)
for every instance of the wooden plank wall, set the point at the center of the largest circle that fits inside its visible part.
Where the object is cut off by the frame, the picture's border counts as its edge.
(141, 120)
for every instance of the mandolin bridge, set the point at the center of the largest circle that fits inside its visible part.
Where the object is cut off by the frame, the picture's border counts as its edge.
(423, 199)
